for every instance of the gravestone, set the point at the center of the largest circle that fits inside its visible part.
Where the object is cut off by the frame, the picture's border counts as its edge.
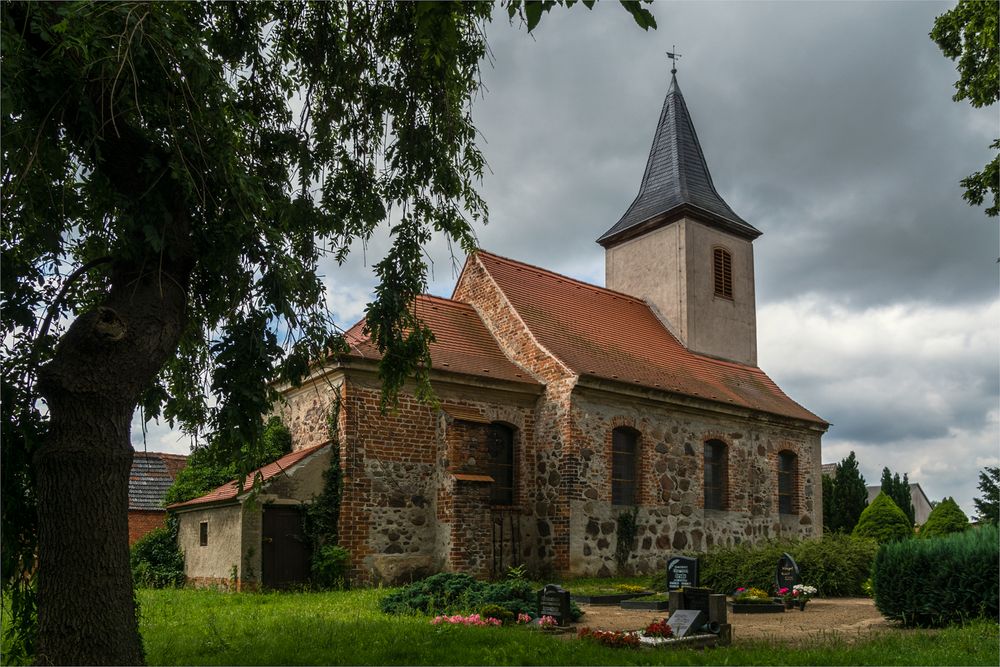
(681, 572)
(786, 575)
(553, 600)
(697, 599)
(686, 622)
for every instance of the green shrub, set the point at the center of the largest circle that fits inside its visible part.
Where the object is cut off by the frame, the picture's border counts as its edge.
(329, 567)
(157, 561)
(945, 519)
(934, 582)
(836, 564)
(502, 614)
(724, 569)
(883, 521)
(461, 594)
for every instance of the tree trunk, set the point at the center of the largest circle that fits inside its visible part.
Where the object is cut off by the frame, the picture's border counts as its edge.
(107, 358)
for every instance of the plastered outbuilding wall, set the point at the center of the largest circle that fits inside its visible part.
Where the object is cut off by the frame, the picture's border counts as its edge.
(232, 557)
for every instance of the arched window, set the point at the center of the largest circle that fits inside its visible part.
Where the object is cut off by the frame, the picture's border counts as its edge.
(788, 469)
(723, 272)
(500, 447)
(624, 464)
(715, 475)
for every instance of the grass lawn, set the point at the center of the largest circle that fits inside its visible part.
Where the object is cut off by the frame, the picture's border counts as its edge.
(205, 627)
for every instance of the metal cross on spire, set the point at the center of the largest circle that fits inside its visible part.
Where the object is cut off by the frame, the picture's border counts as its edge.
(673, 55)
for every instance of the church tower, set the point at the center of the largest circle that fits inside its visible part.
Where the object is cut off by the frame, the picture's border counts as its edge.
(682, 249)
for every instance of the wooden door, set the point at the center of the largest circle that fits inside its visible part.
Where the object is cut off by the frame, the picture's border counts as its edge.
(285, 550)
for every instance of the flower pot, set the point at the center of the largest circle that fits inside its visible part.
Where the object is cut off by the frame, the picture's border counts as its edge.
(802, 605)
(789, 604)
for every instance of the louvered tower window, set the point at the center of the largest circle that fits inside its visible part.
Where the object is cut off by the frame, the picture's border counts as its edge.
(624, 459)
(715, 475)
(787, 471)
(500, 446)
(723, 270)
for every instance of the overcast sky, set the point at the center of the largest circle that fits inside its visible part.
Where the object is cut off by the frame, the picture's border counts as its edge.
(829, 127)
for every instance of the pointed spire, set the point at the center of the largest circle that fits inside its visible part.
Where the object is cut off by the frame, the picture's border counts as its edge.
(677, 181)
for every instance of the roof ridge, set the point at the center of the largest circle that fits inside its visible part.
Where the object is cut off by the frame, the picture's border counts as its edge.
(455, 303)
(596, 288)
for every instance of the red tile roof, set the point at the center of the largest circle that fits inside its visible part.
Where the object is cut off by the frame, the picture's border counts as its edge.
(230, 490)
(462, 344)
(610, 335)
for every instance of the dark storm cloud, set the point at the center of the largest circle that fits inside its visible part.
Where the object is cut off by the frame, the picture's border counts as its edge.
(830, 127)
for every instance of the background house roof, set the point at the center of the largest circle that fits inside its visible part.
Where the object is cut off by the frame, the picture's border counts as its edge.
(676, 176)
(462, 344)
(607, 334)
(151, 475)
(230, 490)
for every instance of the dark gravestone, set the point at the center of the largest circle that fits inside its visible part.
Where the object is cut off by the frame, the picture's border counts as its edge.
(786, 575)
(685, 622)
(553, 600)
(697, 599)
(681, 572)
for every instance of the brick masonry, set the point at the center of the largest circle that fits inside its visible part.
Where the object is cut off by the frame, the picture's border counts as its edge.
(141, 522)
(414, 501)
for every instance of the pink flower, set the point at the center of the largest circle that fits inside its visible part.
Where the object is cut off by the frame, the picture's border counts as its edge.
(783, 591)
(740, 590)
(523, 618)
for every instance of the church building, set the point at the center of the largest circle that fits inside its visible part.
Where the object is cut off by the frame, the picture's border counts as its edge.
(579, 429)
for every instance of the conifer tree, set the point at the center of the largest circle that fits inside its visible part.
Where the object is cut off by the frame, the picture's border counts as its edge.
(988, 505)
(883, 521)
(850, 495)
(899, 490)
(946, 518)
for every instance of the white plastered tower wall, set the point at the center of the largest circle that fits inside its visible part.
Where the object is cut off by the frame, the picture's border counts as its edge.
(671, 267)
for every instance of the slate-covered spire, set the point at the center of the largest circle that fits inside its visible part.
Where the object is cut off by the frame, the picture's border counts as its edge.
(676, 181)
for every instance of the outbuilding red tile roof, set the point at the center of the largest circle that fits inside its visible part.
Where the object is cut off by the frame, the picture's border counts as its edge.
(230, 490)
(461, 344)
(606, 334)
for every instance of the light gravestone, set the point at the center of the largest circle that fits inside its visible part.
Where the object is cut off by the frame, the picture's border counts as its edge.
(786, 575)
(686, 622)
(553, 600)
(682, 572)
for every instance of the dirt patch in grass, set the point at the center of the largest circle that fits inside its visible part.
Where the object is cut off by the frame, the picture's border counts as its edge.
(846, 618)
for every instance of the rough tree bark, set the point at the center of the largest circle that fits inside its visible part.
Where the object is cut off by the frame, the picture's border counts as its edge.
(103, 363)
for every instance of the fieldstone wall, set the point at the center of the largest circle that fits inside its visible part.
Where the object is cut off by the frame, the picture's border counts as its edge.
(670, 484)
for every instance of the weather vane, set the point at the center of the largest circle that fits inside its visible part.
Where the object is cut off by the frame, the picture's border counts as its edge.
(673, 55)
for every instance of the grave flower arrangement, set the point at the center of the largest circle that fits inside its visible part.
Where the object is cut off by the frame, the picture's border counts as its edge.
(751, 596)
(612, 638)
(659, 629)
(471, 620)
(547, 622)
(786, 594)
(803, 592)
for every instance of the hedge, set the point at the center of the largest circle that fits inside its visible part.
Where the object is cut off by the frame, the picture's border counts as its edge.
(837, 564)
(938, 581)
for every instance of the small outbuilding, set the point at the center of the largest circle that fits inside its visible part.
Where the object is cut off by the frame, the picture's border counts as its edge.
(245, 538)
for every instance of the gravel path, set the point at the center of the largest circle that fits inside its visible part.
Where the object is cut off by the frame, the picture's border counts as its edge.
(848, 618)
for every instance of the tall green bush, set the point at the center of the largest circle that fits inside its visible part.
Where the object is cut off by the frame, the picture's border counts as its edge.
(883, 521)
(156, 560)
(837, 565)
(945, 519)
(938, 581)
